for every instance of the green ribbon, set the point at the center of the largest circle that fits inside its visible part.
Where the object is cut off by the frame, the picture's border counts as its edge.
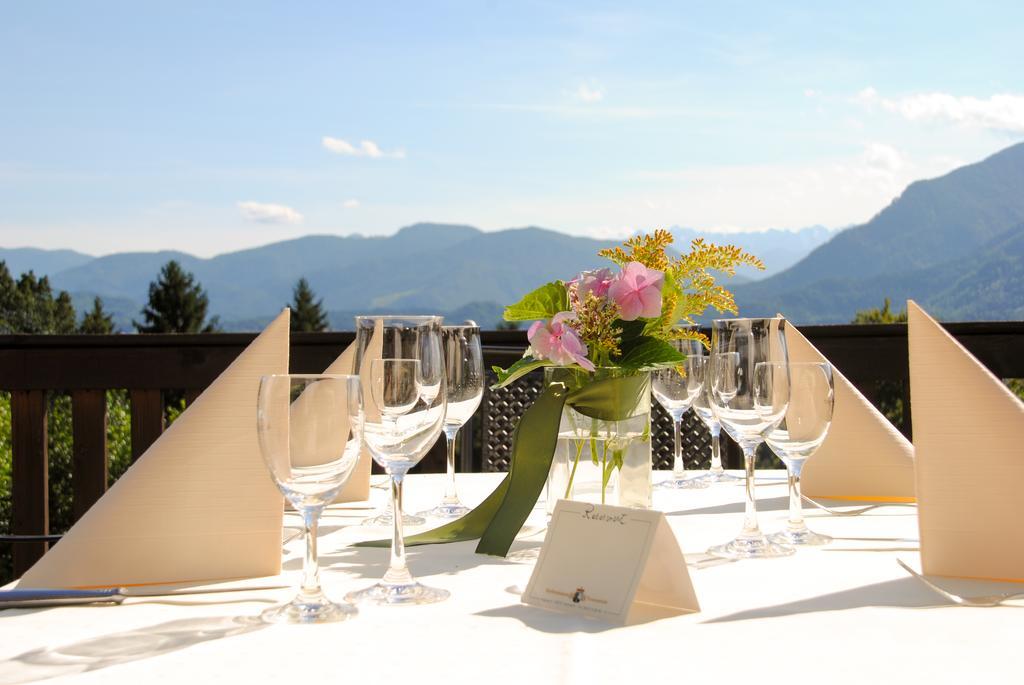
(498, 519)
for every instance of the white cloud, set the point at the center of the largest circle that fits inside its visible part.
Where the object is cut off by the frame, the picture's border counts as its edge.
(1001, 112)
(350, 204)
(366, 148)
(882, 157)
(269, 213)
(589, 92)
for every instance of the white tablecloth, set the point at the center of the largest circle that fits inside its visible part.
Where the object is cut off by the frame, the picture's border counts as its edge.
(845, 613)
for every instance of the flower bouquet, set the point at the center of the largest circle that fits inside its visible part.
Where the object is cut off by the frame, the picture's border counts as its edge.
(598, 337)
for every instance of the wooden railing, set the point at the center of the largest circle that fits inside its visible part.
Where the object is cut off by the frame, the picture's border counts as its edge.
(149, 365)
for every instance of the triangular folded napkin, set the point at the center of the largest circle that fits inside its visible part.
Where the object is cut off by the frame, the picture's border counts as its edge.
(198, 505)
(863, 457)
(968, 437)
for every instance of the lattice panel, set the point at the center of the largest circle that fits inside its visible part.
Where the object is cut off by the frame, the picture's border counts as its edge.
(696, 440)
(500, 411)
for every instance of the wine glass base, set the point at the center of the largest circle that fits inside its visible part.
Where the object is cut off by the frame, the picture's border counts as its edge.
(683, 484)
(309, 609)
(712, 477)
(752, 547)
(398, 594)
(802, 537)
(445, 511)
(387, 519)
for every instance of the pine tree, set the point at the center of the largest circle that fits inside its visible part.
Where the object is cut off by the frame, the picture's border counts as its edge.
(64, 317)
(8, 300)
(307, 312)
(97, 321)
(177, 304)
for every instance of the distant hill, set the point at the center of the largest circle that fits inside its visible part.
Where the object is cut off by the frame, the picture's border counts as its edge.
(459, 271)
(778, 249)
(953, 243)
(42, 262)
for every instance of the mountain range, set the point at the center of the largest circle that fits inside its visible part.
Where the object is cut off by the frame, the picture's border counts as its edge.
(779, 249)
(954, 243)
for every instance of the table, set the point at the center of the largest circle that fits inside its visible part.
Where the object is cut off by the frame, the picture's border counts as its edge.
(845, 613)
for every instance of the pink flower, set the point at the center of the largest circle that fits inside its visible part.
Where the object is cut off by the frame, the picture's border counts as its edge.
(637, 291)
(556, 341)
(597, 282)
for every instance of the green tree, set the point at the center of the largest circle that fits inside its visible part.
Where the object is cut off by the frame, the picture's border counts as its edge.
(96, 321)
(177, 304)
(307, 312)
(28, 305)
(883, 315)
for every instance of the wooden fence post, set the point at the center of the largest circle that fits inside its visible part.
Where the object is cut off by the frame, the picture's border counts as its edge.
(30, 475)
(147, 419)
(89, 427)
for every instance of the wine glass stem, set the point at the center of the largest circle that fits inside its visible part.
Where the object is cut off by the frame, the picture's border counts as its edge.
(311, 562)
(796, 510)
(397, 570)
(451, 496)
(750, 527)
(716, 447)
(678, 468)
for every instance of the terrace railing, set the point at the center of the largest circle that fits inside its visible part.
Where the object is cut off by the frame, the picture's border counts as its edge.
(873, 357)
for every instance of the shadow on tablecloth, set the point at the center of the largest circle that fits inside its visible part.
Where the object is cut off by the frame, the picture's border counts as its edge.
(548, 621)
(766, 504)
(100, 652)
(902, 592)
(423, 560)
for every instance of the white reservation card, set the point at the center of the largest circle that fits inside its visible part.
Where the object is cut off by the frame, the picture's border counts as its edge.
(616, 564)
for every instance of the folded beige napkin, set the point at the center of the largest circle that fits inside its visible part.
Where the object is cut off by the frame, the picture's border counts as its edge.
(968, 437)
(198, 505)
(863, 457)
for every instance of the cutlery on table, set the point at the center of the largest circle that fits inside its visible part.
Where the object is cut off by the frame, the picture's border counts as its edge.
(10, 599)
(976, 601)
(854, 512)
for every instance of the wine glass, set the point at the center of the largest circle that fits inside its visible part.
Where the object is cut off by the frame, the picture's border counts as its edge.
(749, 404)
(464, 380)
(400, 360)
(675, 388)
(798, 437)
(702, 408)
(310, 430)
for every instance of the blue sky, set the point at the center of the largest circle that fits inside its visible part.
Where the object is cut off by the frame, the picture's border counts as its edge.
(208, 127)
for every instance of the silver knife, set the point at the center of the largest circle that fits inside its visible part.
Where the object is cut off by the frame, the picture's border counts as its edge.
(57, 597)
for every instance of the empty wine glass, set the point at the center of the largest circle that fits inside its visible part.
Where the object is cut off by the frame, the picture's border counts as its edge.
(429, 391)
(464, 381)
(702, 408)
(749, 404)
(310, 430)
(798, 436)
(675, 388)
(405, 408)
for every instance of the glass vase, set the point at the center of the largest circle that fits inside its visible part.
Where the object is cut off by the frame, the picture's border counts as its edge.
(607, 462)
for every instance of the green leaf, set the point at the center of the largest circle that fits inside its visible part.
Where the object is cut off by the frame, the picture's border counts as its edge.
(542, 303)
(518, 370)
(651, 352)
(632, 331)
